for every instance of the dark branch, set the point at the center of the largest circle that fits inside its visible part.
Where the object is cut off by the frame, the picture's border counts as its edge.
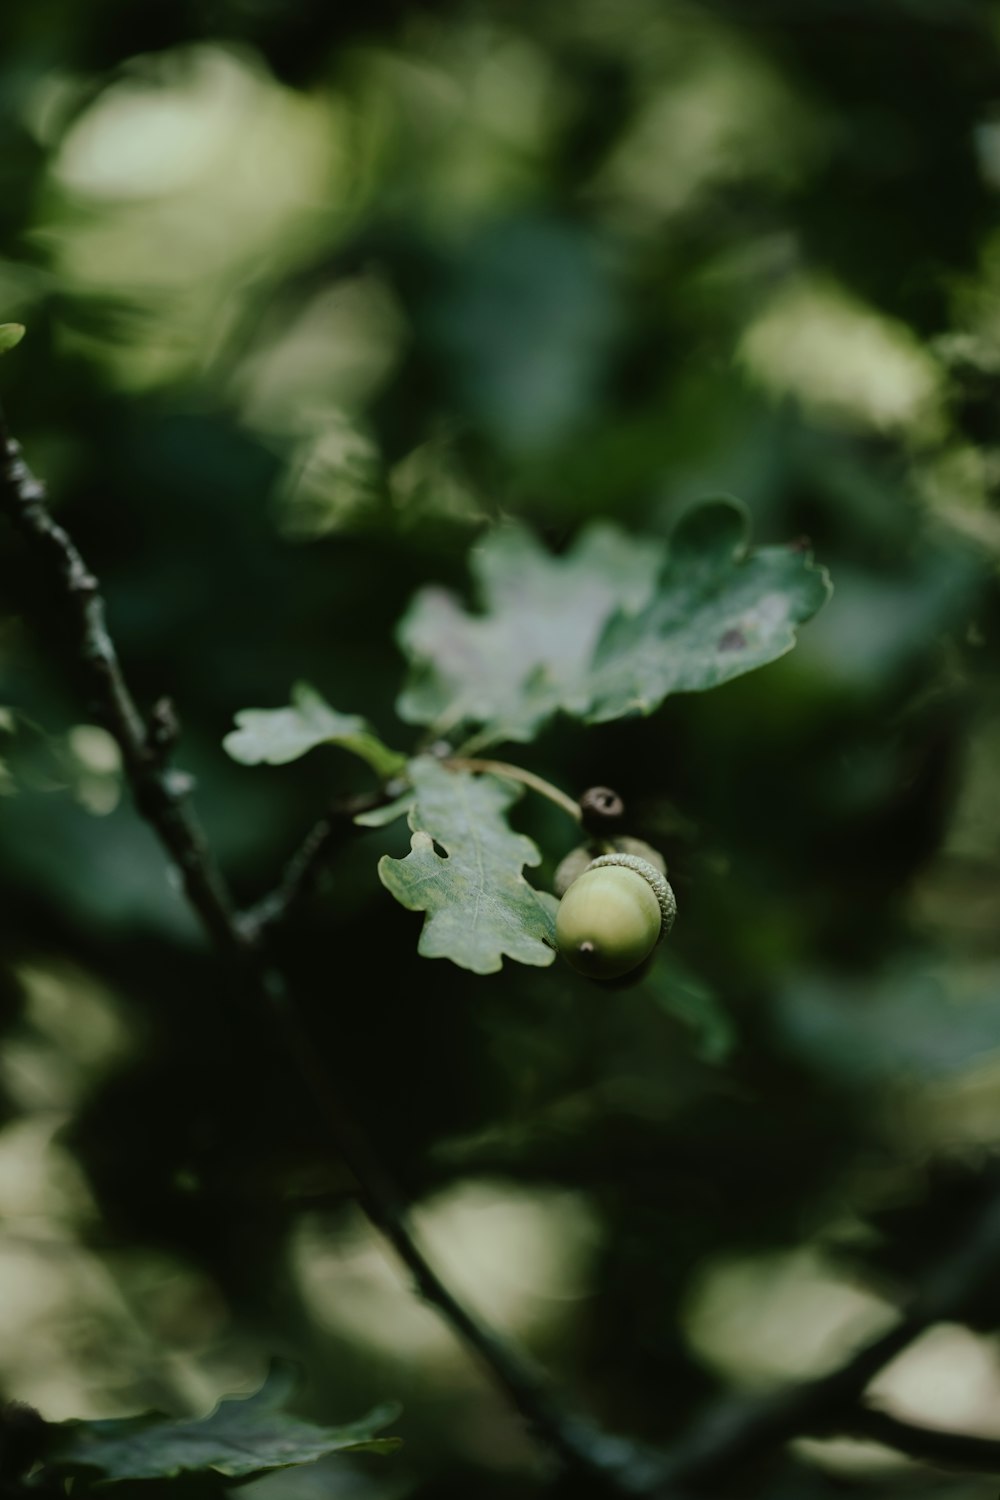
(946, 1450)
(742, 1430)
(160, 793)
(300, 875)
(160, 796)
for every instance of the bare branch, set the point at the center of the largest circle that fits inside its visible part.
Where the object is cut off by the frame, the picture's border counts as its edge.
(946, 1450)
(301, 873)
(160, 796)
(739, 1431)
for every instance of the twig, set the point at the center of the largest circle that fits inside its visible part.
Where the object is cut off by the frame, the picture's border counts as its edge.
(160, 798)
(303, 869)
(159, 792)
(946, 1450)
(740, 1431)
(614, 1466)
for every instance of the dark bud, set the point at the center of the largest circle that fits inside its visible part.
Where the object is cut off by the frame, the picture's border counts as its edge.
(602, 811)
(23, 1433)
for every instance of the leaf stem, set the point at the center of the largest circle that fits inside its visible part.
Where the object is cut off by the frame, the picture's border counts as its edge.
(481, 741)
(517, 773)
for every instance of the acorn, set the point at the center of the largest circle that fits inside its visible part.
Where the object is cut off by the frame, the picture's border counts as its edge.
(613, 915)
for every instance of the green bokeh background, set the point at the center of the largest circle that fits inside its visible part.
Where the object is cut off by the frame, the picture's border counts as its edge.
(315, 294)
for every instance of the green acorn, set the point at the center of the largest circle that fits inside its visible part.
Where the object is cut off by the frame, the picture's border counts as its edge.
(613, 915)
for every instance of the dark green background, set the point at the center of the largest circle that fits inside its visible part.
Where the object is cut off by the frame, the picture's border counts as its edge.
(313, 295)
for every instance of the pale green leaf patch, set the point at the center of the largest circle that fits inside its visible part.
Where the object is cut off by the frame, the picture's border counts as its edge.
(529, 649)
(480, 909)
(11, 335)
(276, 736)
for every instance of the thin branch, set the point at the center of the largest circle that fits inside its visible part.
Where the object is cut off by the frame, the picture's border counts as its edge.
(946, 1450)
(739, 1431)
(160, 796)
(159, 792)
(299, 877)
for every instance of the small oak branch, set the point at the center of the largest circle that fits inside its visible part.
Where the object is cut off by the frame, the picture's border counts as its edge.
(733, 1435)
(298, 879)
(160, 793)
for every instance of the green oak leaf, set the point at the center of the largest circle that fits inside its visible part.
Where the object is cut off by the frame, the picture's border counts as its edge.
(11, 335)
(479, 906)
(607, 630)
(243, 1436)
(279, 735)
(528, 652)
(720, 610)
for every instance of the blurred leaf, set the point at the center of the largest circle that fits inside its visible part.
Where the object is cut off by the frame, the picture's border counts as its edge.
(594, 633)
(528, 652)
(910, 1021)
(526, 317)
(11, 335)
(280, 735)
(242, 1437)
(479, 905)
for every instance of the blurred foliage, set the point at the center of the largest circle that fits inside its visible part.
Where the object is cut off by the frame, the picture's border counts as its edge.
(314, 294)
